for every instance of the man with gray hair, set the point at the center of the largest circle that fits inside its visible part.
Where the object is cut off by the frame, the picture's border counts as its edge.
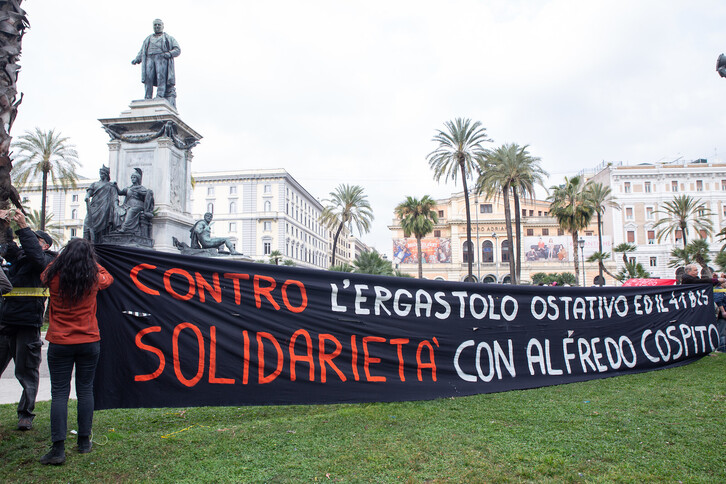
(690, 276)
(157, 63)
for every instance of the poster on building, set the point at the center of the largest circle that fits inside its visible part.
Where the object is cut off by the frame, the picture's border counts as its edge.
(436, 250)
(559, 248)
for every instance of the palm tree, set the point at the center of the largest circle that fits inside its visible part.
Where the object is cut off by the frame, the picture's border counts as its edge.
(275, 257)
(696, 251)
(573, 210)
(632, 270)
(624, 249)
(459, 148)
(511, 167)
(680, 213)
(599, 257)
(418, 218)
(347, 205)
(601, 197)
(371, 262)
(45, 154)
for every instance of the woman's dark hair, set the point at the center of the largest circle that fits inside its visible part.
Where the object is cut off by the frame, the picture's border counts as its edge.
(76, 267)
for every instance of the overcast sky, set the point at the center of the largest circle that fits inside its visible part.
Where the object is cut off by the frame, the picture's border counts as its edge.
(353, 92)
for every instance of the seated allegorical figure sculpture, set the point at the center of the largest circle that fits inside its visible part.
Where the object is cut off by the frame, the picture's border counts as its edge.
(136, 212)
(102, 207)
(201, 236)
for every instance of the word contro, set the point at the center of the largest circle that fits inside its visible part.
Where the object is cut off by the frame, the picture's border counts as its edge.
(263, 287)
(327, 355)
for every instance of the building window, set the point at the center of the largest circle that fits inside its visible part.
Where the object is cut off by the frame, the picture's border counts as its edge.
(723, 185)
(268, 206)
(651, 237)
(74, 198)
(437, 233)
(233, 226)
(588, 233)
(699, 185)
(560, 232)
(210, 191)
(653, 262)
(703, 234)
(505, 251)
(674, 186)
(485, 208)
(210, 207)
(647, 187)
(233, 189)
(679, 236)
(530, 232)
(74, 214)
(626, 187)
(267, 247)
(441, 214)
(268, 188)
(545, 231)
(73, 232)
(487, 251)
(649, 213)
(531, 213)
(632, 260)
(629, 213)
(631, 236)
(232, 207)
(723, 209)
(267, 226)
(539, 213)
(466, 252)
(524, 212)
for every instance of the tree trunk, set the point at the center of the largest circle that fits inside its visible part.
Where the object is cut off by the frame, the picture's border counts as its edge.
(44, 199)
(518, 228)
(576, 253)
(510, 245)
(469, 276)
(601, 264)
(684, 227)
(13, 23)
(420, 257)
(335, 243)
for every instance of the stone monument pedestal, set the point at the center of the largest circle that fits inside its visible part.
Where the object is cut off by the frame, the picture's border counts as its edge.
(152, 137)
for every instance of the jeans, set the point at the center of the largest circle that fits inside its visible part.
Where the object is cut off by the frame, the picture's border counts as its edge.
(61, 359)
(23, 345)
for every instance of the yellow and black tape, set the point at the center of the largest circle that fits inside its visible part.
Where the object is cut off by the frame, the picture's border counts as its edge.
(28, 292)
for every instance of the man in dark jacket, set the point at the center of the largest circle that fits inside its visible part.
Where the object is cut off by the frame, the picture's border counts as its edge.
(22, 316)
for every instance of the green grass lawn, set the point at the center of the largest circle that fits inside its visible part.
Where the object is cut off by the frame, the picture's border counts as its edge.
(662, 426)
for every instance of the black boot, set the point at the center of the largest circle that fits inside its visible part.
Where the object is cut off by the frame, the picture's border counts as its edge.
(84, 444)
(57, 454)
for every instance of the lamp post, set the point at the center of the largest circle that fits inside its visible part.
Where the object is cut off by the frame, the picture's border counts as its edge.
(494, 253)
(581, 243)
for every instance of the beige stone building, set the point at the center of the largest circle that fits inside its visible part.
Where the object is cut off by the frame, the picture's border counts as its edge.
(641, 190)
(545, 246)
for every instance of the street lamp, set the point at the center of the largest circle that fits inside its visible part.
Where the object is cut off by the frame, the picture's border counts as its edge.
(496, 243)
(581, 243)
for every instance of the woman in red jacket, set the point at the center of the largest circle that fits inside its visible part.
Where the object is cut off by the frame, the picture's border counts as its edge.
(74, 278)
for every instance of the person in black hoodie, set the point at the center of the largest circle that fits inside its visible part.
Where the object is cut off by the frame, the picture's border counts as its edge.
(22, 316)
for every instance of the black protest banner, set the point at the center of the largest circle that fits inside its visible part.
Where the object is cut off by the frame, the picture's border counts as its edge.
(187, 331)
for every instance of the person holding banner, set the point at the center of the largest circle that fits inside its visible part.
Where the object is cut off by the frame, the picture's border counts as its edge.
(22, 310)
(74, 279)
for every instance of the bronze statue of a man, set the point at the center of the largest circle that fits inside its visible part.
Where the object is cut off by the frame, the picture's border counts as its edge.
(201, 236)
(102, 207)
(157, 63)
